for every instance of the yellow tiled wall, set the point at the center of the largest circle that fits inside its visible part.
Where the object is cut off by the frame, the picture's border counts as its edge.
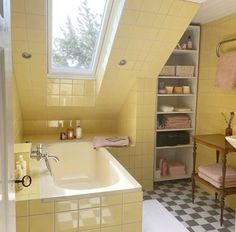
(127, 117)
(17, 115)
(137, 117)
(212, 101)
(109, 213)
(147, 33)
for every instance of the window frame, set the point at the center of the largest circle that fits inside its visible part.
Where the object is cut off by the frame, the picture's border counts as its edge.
(77, 74)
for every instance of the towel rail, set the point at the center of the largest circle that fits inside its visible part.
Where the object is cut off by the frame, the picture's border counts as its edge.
(222, 42)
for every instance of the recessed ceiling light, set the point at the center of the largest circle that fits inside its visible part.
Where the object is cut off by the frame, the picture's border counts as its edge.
(26, 55)
(123, 62)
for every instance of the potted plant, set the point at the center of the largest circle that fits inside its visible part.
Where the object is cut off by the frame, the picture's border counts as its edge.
(228, 129)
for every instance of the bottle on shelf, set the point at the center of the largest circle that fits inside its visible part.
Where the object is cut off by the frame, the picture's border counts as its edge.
(22, 164)
(78, 131)
(70, 131)
(189, 43)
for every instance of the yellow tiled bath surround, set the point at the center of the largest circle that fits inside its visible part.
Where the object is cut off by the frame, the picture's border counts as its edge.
(109, 213)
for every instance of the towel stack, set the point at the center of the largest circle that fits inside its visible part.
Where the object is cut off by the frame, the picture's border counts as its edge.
(173, 121)
(176, 169)
(213, 174)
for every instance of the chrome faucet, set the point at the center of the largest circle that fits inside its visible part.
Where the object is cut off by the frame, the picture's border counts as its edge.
(41, 154)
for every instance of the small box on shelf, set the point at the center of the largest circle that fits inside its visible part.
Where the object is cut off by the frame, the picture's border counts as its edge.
(168, 70)
(185, 71)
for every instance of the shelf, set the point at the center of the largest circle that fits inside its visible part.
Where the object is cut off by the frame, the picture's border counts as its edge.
(174, 147)
(165, 178)
(182, 129)
(183, 100)
(175, 112)
(175, 77)
(175, 95)
(185, 51)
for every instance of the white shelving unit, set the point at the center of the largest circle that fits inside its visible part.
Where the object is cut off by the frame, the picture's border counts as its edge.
(180, 152)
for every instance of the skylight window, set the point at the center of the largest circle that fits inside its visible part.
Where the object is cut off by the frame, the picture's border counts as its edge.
(76, 29)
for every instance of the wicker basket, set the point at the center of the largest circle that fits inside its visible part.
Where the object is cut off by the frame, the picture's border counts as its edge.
(168, 70)
(184, 71)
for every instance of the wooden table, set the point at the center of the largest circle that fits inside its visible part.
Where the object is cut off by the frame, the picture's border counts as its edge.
(222, 148)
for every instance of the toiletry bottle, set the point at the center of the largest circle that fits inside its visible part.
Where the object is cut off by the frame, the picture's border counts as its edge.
(70, 132)
(22, 163)
(78, 130)
(18, 176)
(190, 43)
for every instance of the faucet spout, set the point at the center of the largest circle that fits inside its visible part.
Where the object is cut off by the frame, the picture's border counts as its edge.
(53, 157)
(41, 154)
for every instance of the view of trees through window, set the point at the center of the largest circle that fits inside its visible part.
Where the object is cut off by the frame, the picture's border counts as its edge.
(74, 42)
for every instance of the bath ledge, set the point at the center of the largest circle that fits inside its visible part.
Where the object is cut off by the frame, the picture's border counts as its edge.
(54, 138)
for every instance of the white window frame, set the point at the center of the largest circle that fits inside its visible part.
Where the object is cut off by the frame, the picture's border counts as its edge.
(77, 74)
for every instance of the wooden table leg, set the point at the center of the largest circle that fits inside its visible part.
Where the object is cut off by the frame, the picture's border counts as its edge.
(193, 173)
(222, 202)
(217, 161)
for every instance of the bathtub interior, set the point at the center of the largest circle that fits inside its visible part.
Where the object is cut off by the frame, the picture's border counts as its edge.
(81, 166)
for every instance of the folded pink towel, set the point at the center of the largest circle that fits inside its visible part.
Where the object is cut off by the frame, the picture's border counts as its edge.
(214, 172)
(226, 71)
(114, 141)
(228, 184)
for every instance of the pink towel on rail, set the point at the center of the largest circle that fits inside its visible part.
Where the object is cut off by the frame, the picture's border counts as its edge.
(112, 141)
(226, 71)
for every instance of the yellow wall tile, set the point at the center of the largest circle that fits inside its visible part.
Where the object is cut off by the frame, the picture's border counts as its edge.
(89, 203)
(61, 206)
(22, 208)
(67, 221)
(132, 212)
(132, 197)
(111, 199)
(39, 207)
(89, 219)
(22, 224)
(111, 215)
(41, 223)
(133, 227)
(112, 229)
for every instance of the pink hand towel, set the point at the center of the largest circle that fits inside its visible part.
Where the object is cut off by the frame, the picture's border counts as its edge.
(226, 71)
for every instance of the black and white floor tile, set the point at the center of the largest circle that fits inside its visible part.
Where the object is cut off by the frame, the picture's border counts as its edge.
(201, 216)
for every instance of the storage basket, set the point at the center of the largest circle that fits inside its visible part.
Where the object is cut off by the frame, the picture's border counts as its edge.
(184, 71)
(168, 70)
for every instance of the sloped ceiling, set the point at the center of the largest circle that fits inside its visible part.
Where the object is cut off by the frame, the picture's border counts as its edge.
(214, 9)
(147, 33)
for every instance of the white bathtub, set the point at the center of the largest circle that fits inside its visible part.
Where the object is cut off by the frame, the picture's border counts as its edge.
(83, 171)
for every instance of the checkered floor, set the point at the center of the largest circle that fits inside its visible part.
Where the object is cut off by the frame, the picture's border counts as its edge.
(201, 216)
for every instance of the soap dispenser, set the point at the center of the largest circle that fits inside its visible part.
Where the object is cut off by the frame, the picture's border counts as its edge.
(78, 131)
(70, 132)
